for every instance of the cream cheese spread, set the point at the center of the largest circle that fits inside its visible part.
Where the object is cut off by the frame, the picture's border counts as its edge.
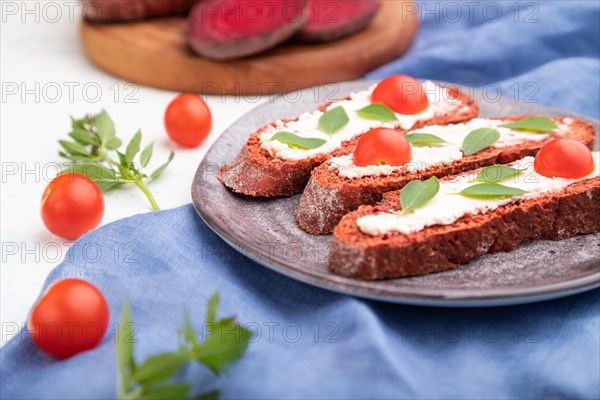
(447, 207)
(426, 157)
(307, 124)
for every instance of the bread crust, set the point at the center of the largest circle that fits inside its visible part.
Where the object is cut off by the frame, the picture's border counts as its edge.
(559, 215)
(255, 173)
(329, 196)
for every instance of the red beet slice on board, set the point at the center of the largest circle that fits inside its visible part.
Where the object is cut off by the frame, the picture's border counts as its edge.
(226, 29)
(132, 10)
(331, 20)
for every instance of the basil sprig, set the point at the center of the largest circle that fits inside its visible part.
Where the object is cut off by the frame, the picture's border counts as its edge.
(377, 112)
(419, 139)
(491, 190)
(417, 193)
(225, 343)
(298, 142)
(95, 151)
(478, 140)
(333, 120)
(497, 173)
(533, 124)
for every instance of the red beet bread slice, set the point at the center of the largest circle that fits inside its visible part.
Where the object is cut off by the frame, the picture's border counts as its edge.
(331, 20)
(225, 29)
(329, 196)
(132, 10)
(556, 215)
(255, 173)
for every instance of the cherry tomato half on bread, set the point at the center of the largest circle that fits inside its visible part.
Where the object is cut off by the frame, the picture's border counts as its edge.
(382, 146)
(402, 93)
(188, 120)
(564, 158)
(72, 316)
(72, 205)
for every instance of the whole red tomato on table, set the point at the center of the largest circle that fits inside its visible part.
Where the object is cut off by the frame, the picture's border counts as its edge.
(72, 205)
(71, 316)
(188, 120)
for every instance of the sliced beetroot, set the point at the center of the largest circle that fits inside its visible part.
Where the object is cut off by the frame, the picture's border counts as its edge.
(131, 10)
(226, 29)
(331, 20)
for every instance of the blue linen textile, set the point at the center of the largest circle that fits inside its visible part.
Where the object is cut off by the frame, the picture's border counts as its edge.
(317, 344)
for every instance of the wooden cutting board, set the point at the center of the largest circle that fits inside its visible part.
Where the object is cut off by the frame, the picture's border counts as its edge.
(155, 53)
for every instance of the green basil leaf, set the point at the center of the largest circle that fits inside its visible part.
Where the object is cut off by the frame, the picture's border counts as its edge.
(212, 307)
(187, 333)
(124, 349)
(134, 146)
(104, 177)
(160, 367)
(416, 193)
(171, 391)
(113, 144)
(478, 140)
(378, 112)
(73, 148)
(491, 190)
(298, 142)
(123, 160)
(497, 173)
(74, 157)
(105, 128)
(79, 124)
(226, 342)
(424, 139)
(146, 154)
(333, 120)
(84, 138)
(162, 168)
(533, 124)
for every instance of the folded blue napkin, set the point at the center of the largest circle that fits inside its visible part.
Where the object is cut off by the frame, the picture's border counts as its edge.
(313, 343)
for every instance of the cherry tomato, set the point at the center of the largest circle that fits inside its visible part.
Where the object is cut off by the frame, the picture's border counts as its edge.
(188, 120)
(72, 205)
(402, 93)
(382, 146)
(72, 316)
(564, 158)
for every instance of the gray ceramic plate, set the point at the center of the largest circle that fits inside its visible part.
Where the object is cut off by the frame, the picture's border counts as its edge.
(265, 230)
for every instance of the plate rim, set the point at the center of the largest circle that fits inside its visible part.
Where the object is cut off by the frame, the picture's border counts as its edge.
(476, 298)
